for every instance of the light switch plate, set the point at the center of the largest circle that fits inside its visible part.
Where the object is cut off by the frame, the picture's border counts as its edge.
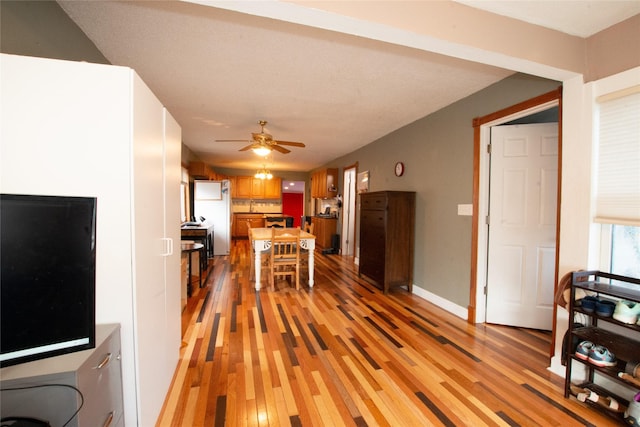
(465, 210)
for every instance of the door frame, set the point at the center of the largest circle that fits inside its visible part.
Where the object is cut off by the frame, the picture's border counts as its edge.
(346, 231)
(476, 311)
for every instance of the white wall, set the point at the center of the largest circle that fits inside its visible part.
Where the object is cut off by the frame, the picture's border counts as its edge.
(579, 244)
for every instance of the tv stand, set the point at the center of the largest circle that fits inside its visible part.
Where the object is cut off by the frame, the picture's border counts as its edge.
(53, 389)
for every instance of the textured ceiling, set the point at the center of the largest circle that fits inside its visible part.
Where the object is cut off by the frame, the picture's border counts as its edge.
(219, 71)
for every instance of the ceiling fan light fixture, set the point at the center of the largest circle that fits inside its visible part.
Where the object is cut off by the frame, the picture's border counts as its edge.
(261, 150)
(263, 174)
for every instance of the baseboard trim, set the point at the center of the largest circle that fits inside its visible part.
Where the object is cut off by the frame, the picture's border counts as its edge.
(447, 305)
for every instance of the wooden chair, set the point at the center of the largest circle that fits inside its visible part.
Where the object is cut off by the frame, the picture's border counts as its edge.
(308, 227)
(270, 223)
(264, 256)
(285, 255)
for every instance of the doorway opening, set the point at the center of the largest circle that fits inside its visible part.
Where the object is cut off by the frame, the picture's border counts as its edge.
(293, 200)
(482, 131)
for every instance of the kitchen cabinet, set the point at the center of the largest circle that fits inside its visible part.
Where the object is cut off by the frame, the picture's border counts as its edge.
(273, 188)
(323, 229)
(387, 222)
(249, 187)
(96, 373)
(324, 183)
(244, 187)
(621, 339)
(241, 223)
(200, 170)
(109, 115)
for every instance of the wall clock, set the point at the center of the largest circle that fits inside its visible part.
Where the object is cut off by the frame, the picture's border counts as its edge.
(399, 169)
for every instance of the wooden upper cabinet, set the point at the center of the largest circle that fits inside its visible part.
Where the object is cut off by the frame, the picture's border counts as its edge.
(200, 170)
(249, 187)
(324, 183)
(234, 183)
(273, 188)
(257, 188)
(244, 186)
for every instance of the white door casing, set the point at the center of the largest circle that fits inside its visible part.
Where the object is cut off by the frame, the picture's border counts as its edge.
(522, 225)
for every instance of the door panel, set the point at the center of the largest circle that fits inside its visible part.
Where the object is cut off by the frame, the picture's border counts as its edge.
(522, 212)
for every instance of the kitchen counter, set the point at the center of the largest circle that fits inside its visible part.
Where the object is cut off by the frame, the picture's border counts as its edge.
(324, 227)
(241, 221)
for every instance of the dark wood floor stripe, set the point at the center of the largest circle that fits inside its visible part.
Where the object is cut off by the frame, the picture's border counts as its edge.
(557, 405)
(221, 409)
(424, 330)
(507, 419)
(305, 338)
(287, 326)
(364, 353)
(212, 339)
(288, 345)
(383, 332)
(295, 421)
(462, 350)
(319, 339)
(263, 322)
(445, 341)
(344, 311)
(360, 422)
(341, 298)
(233, 323)
(426, 319)
(221, 277)
(386, 320)
(434, 408)
(204, 308)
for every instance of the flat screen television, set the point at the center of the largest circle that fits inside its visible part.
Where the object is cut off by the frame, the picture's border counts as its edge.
(47, 283)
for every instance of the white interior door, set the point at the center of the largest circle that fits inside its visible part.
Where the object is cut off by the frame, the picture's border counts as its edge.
(349, 212)
(522, 225)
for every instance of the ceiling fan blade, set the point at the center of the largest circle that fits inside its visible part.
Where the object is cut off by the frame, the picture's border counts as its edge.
(248, 147)
(232, 140)
(291, 143)
(280, 149)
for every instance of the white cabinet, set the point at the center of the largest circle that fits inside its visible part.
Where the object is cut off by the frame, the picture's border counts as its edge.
(49, 389)
(74, 128)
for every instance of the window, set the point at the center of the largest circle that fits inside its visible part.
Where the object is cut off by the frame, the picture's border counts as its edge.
(617, 151)
(618, 158)
(625, 250)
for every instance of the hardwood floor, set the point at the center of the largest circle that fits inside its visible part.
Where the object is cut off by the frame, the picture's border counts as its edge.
(342, 353)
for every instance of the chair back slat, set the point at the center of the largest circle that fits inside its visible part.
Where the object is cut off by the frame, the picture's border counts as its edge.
(285, 254)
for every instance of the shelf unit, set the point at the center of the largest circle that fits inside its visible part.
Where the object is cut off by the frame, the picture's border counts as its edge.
(619, 338)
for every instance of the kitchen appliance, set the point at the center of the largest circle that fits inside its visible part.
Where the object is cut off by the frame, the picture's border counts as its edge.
(212, 201)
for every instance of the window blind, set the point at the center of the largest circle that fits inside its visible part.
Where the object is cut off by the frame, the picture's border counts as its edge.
(618, 158)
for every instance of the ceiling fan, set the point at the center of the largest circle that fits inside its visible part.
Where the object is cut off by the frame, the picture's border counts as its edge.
(263, 143)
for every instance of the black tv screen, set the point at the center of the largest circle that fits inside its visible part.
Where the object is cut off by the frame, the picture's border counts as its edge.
(47, 283)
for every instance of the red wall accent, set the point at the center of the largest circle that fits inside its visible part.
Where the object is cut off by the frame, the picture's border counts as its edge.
(292, 204)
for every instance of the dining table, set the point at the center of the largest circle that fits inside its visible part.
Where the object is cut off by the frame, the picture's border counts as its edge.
(261, 238)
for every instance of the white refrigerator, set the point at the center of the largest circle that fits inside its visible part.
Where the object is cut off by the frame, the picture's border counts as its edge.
(212, 206)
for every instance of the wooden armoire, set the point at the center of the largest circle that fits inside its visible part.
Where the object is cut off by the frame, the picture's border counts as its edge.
(387, 230)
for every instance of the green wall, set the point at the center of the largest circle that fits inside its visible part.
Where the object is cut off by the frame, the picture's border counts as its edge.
(43, 29)
(437, 151)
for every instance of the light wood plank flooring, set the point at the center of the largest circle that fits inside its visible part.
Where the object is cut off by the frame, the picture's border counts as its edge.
(342, 353)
